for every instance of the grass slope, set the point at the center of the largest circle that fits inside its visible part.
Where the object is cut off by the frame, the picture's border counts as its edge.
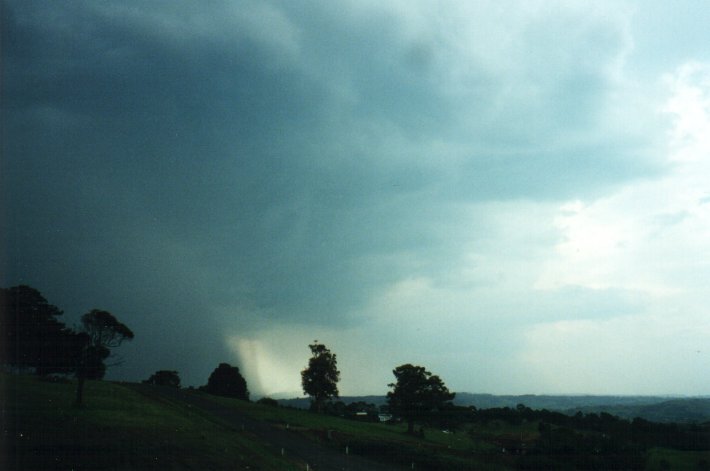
(476, 447)
(390, 442)
(117, 429)
(120, 428)
(653, 408)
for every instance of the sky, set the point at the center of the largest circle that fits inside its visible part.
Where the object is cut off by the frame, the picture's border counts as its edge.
(512, 194)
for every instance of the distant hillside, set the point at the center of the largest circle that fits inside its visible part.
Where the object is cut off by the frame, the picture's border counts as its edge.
(553, 402)
(653, 408)
(305, 403)
(689, 410)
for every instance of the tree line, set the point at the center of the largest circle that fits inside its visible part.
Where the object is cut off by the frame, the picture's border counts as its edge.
(33, 338)
(225, 380)
(416, 393)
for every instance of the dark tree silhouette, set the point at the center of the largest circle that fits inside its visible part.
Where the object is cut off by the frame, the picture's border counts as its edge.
(164, 378)
(226, 380)
(31, 336)
(416, 394)
(101, 332)
(104, 329)
(320, 378)
(267, 401)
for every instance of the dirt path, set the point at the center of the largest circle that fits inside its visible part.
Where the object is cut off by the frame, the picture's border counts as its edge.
(318, 457)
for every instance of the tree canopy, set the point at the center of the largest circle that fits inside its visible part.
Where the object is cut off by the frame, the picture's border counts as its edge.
(32, 337)
(417, 393)
(320, 378)
(164, 378)
(226, 380)
(31, 334)
(102, 331)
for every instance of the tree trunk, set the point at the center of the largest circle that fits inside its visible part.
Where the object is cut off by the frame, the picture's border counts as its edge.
(410, 426)
(80, 391)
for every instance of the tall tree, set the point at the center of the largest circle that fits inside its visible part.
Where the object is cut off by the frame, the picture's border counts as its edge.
(320, 378)
(31, 335)
(417, 393)
(226, 380)
(164, 378)
(101, 332)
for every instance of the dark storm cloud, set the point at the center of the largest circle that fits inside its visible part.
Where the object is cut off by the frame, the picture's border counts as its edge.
(202, 144)
(250, 162)
(133, 168)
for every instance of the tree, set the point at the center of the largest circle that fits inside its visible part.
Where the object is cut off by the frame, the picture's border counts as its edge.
(164, 378)
(101, 332)
(320, 378)
(31, 336)
(267, 401)
(416, 394)
(226, 380)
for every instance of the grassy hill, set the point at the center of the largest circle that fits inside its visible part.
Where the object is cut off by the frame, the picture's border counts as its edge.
(653, 408)
(389, 443)
(553, 402)
(117, 429)
(690, 410)
(120, 428)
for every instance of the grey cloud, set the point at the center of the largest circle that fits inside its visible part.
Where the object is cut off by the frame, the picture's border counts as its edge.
(177, 162)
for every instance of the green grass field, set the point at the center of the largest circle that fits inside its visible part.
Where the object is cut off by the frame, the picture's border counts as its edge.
(661, 459)
(387, 442)
(121, 429)
(117, 429)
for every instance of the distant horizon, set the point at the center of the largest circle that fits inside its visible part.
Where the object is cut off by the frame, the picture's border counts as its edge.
(679, 396)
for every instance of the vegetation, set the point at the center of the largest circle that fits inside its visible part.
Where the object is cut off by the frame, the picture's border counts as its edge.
(502, 438)
(670, 410)
(320, 378)
(267, 401)
(164, 378)
(102, 331)
(385, 442)
(592, 441)
(121, 428)
(417, 394)
(118, 428)
(226, 380)
(32, 338)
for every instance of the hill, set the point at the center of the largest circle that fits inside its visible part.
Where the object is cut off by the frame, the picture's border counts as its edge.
(690, 410)
(131, 426)
(118, 428)
(553, 402)
(653, 408)
(121, 428)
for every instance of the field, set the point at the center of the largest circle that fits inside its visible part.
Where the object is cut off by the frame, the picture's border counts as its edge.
(119, 428)
(389, 443)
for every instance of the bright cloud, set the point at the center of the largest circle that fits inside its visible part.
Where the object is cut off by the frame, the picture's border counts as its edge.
(652, 238)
